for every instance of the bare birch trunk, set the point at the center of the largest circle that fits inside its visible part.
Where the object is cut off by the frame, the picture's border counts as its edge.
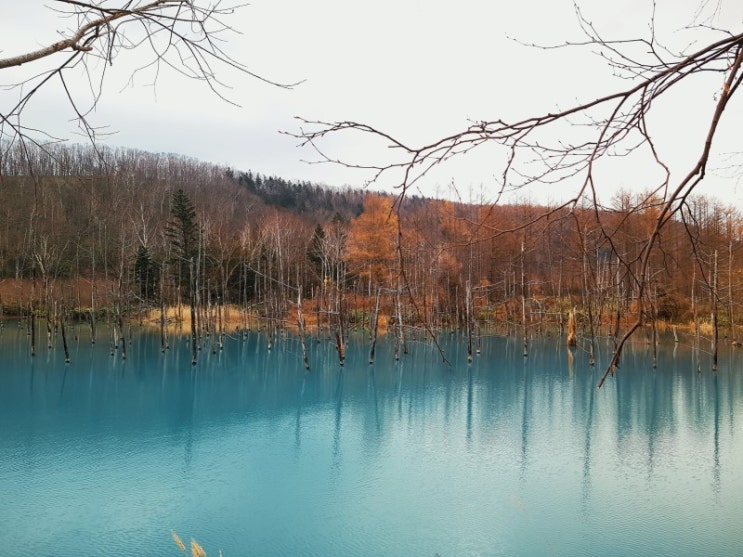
(731, 316)
(192, 299)
(523, 303)
(400, 330)
(715, 332)
(654, 317)
(300, 324)
(374, 329)
(92, 301)
(163, 337)
(615, 337)
(468, 318)
(211, 320)
(220, 323)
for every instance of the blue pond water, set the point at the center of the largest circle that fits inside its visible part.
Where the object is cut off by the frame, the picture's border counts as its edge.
(249, 454)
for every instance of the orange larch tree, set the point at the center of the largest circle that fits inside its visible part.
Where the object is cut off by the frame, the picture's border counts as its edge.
(371, 252)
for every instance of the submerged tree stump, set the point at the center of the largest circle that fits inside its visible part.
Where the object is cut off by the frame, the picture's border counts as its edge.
(572, 339)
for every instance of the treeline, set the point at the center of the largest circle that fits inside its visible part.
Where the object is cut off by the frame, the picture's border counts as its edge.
(123, 230)
(317, 202)
(73, 212)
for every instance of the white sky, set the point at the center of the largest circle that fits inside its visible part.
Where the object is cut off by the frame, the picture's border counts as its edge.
(417, 69)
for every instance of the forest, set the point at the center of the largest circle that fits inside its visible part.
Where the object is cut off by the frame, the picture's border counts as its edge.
(100, 233)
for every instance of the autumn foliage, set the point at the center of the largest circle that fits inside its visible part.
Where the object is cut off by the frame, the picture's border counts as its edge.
(83, 234)
(371, 251)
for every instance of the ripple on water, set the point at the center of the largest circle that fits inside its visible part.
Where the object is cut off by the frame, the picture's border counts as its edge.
(505, 457)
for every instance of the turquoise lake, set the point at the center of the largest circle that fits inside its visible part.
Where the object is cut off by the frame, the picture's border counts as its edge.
(249, 454)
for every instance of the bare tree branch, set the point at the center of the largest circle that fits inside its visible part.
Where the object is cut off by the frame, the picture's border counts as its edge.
(186, 36)
(536, 151)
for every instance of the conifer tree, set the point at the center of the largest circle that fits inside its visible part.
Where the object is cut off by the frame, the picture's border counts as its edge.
(183, 232)
(146, 273)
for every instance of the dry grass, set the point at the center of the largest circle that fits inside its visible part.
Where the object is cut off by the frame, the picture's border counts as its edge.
(235, 318)
(196, 549)
(178, 541)
(178, 318)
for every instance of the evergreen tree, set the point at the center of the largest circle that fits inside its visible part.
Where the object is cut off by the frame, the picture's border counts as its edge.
(183, 232)
(146, 274)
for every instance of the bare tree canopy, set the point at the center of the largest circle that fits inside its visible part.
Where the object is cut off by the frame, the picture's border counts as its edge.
(574, 146)
(536, 148)
(185, 36)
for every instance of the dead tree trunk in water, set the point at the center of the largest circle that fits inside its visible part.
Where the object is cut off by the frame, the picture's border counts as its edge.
(592, 335)
(401, 330)
(374, 329)
(572, 339)
(120, 321)
(715, 332)
(300, 324)
(64, 337)
(340, 342)
(163, 337)
(220, 322)
(49, 317)
(400, 343)
(92, 326)
(731, 316)
(92, 300)
(654, 320)
(523, 303)
(32, 327)
(617, 322)
(192, 302)
(211, 319)
(468, 317)
(340, 345)
(696, 318)
(114, 346)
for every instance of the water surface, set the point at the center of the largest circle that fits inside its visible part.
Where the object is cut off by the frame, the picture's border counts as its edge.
(248, 453)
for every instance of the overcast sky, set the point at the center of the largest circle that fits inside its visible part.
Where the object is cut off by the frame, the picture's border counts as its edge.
(418, 69)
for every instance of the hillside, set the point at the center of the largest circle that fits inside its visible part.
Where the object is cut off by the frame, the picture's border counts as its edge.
(125, 229)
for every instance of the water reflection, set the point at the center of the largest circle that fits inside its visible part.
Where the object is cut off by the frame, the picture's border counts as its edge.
(298, 427)
(588, 411)
(716, 454)
(338, 417)
(520, 455)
